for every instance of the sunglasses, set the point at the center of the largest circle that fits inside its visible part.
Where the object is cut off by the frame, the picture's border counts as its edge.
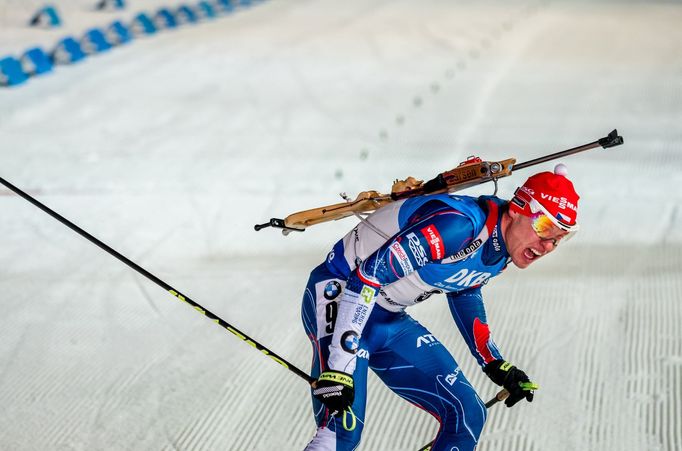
(545, 225)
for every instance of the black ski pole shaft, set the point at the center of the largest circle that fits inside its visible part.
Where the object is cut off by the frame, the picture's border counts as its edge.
(212, 316)
(611, 140)
(500, 396)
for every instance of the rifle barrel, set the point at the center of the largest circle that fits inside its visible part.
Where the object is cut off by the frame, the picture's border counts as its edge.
(611, 140)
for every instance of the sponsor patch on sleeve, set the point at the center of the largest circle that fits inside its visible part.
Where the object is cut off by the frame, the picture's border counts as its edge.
(401, 257)
(350, 341)
(435, 241)
(417, 250)
(367, 294)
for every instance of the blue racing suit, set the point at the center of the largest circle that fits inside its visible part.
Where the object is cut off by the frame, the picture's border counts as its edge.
(354, 311)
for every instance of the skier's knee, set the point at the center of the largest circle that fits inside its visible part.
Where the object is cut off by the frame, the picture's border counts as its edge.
(475, 418)
(462, 423)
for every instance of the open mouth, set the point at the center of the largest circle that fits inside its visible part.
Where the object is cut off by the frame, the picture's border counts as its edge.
(531, 254)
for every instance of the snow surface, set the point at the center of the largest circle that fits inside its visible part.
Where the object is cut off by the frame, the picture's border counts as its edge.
(170, 149)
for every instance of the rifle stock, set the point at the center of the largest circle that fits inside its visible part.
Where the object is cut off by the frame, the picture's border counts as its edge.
(461, 177)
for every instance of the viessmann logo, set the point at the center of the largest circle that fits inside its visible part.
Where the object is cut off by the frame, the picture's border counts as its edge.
(435, 241)
(561, 201)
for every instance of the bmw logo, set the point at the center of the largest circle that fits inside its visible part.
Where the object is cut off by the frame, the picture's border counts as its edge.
(350, 342)
(332, 290)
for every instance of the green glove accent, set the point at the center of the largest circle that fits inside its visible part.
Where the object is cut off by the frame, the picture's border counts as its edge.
(337, 377)
(528, 385)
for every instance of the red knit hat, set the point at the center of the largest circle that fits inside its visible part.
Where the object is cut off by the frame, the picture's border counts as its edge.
(555, 195)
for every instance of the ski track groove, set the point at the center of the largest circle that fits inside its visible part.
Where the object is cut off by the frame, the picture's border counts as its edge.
(615, 334)
(642, 317)
(196, 436)
(213, 418)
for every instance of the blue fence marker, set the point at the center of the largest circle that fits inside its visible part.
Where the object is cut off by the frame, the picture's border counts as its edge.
(36, 62)
(11, 73)
(114, 4)
(119, 34)
(46, 17)
(165, 19)
(67, 51)
(207, 10)
(143, 24)
(95, 41)
(226, 5)
(187, 14)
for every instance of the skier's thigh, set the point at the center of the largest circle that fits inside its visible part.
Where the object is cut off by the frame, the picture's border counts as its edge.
(417, 367)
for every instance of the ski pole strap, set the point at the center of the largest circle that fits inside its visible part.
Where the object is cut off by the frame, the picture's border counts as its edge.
(353, 417)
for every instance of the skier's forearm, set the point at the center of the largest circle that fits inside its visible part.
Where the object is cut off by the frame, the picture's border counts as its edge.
(468, 311)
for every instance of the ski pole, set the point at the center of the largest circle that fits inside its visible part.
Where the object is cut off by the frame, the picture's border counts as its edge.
(500, 396)
(212, 316)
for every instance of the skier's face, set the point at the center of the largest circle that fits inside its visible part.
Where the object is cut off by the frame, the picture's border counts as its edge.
(523, 242)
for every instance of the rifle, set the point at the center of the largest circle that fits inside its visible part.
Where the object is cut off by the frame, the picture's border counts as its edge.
(471, 172)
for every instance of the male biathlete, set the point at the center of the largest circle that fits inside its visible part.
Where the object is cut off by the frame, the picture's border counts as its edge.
(354, 304)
